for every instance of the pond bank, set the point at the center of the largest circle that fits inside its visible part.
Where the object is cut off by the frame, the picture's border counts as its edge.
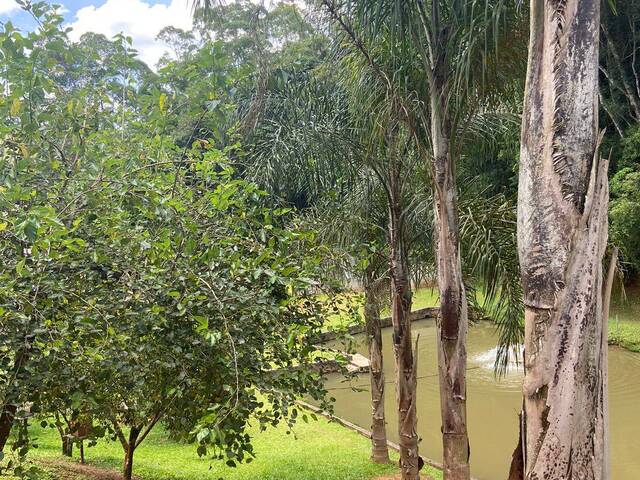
(624, 322)
(493, 404)
(431, 469)
(625, 335)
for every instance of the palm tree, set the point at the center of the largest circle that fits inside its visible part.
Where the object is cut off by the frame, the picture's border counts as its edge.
(398, 61)
(316, 137)
(357, 223)
(364, 149)
(562, 237)
(457, 76)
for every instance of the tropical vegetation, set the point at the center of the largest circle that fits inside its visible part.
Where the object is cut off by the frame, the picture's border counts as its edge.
(176, 240)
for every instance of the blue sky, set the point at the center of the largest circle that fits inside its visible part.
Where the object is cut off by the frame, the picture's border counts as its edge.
(23, 20)
(141, 19)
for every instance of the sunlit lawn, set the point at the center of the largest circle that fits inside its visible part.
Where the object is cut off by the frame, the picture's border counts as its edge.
(319, 451)
(625, 334)
(624, 321)
(351, 309)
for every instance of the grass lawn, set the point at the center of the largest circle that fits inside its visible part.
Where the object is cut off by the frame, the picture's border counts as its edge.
(624, 320)
(425, 297)
(626, 334)
(320, 450)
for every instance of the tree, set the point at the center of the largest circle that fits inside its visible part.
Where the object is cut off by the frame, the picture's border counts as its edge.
(357, 223)
(311, 124)
(145, 277)
(303, 133)
(625, 214)
(562, 237)
(438, 78)
(619, 72)
(337, 145)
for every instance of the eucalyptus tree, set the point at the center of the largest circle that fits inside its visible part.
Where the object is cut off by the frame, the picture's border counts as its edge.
(562, 238)
(455, 76)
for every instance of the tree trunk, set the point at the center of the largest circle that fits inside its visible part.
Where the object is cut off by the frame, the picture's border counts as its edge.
(66, 432)
(10, 406)
(562, 236)
(6, 423)
(516, 471)
(453, 320)
(128, 463)
(67, 446)
(628, 90)
(403, 350)
(128, 454)
(379, 447)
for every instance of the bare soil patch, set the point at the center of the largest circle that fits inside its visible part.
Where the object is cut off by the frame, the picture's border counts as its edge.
(69, 470)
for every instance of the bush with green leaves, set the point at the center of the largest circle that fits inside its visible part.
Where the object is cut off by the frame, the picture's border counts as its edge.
(624, 215)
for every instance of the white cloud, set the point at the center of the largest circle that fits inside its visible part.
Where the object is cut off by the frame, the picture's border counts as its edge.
(8, 6)
(138, 19)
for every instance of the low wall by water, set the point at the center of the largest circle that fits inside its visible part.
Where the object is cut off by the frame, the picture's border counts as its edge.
(422, 314)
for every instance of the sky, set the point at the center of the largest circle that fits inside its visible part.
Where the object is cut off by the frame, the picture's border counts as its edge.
(140, 19)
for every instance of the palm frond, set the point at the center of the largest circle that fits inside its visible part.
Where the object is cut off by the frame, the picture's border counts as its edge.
(488, 237)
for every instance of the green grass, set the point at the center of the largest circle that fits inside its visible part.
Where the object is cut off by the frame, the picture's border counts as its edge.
(625, 334)
(320, 450)
(624, 321)
(422, 298)
(425, 297)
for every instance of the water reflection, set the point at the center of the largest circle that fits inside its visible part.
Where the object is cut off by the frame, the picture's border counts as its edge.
(493, 404)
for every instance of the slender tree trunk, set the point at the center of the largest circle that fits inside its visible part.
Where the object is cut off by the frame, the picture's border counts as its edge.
(66, 432)
(453, 320)
(127, 473)
(562, 236)
(379, 447)
(630, 92)
(128, 454)
(67, 446)
(403, 350)
(10, 406)
(6, 423)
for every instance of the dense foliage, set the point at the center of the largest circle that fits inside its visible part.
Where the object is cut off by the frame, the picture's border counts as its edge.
(168, 232)
(142, 279)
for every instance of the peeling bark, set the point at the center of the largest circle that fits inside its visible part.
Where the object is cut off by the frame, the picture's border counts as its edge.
(379, 447)
(562, 236)
(453, 320)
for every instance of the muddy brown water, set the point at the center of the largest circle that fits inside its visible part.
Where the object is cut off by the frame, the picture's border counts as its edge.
(492, 404)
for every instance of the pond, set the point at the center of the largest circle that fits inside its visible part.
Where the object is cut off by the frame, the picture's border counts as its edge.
(492, 404)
